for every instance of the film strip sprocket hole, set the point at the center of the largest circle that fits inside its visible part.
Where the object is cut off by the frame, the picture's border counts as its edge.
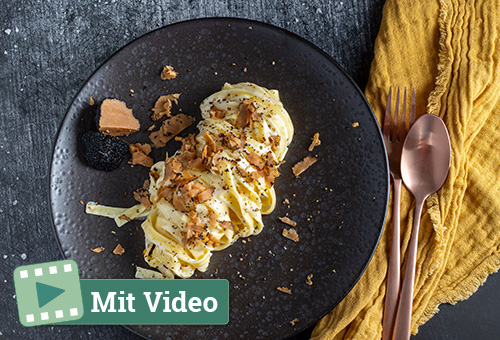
(48, 293)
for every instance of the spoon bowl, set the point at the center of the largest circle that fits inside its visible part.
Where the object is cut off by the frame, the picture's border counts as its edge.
(425, 162)
(426, 156)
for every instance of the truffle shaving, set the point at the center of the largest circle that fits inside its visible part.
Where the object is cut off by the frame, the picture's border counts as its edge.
(284, 290)
(233, 142)
(168, 73)
(303, 165)
(256, 160)
(140, 154)
(246, 110)
(170, 128)
(226, 225)
(291, 234)
(275, 141)
(142, 196)
(315, 142)
(163, 106)
(118, 250)
(288, 221)
(194, 227)
(308, 280)
(215, 113)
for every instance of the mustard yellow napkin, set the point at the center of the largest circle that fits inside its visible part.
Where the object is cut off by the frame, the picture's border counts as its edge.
(449, 50)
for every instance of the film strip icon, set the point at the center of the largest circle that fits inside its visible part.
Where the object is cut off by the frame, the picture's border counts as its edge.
(48, 293)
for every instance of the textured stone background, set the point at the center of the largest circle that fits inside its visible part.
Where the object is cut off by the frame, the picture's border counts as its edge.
(47, 51)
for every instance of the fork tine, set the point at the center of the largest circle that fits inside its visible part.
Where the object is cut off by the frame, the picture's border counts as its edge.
(395, 124)
(387, 117)
(412, 108)
(402, 124)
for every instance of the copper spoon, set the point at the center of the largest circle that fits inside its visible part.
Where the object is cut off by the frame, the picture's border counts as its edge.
(425, 162)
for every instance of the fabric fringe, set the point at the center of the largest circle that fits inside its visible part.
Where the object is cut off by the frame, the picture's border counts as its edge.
(444, 64)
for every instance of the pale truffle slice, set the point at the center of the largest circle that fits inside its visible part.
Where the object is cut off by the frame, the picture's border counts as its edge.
(288, 221)
(291, 234)
(303, 165)
(284, 290)
(163, 106)
(119, 250)
(170, 128)
(116, 119)
(140, 154)
(168, 73)
(315, 142)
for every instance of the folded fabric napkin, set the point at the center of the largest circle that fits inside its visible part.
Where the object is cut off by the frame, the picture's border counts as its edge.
(449, 50)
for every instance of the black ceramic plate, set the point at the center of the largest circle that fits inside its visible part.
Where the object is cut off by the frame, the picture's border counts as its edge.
(339, 203)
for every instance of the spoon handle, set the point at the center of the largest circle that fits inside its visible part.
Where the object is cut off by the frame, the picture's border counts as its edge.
(402, 324)
(393, 275)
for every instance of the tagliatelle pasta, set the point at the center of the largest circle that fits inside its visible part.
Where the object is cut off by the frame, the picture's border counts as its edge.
(215, 189)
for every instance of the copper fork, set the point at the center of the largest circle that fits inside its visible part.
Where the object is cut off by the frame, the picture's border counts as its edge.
(394, 139)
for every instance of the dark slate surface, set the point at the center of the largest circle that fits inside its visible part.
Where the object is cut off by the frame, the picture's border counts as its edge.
(47, 51)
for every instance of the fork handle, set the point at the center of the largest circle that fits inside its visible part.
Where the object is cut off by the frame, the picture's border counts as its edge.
(402, 324)
(393, 276)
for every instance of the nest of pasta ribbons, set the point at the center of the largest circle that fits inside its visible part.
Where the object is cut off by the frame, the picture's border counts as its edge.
(184, 191)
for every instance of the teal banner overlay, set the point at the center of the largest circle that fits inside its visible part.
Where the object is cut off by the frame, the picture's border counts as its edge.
(52, 292)
(154, 302)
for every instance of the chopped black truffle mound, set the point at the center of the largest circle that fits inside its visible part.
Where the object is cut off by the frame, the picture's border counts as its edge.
(103, 152)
